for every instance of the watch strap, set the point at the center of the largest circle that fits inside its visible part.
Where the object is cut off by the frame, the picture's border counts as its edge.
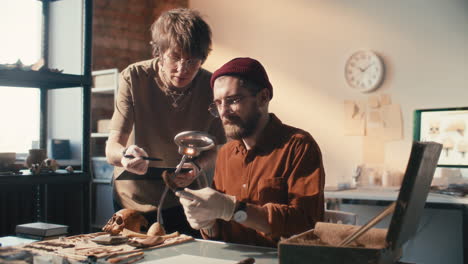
(241, 206)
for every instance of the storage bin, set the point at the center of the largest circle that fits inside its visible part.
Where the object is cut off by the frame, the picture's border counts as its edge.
(102, 169)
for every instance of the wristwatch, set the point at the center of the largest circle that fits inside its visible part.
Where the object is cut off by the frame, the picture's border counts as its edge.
(240, 214)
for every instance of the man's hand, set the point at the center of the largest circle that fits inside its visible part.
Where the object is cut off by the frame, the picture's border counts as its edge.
(135, 165)
(202, 207)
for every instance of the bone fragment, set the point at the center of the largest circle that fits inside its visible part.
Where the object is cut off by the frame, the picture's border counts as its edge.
(171, 235)
(119, 259)
(156, 229)
(146, 242)
(134, 260)
(130, 233)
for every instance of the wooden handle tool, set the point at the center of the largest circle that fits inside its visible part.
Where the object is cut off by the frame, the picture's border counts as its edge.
(368, 225)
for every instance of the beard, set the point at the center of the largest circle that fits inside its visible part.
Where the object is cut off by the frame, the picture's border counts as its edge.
(236, 128)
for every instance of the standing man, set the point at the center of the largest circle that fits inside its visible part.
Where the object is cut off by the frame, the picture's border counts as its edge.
(157, 99)
(269, 178)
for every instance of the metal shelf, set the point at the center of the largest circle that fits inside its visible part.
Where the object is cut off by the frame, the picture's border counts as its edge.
(108, 90)
(104, 181)
(60, 176)
(59, 196)
(99, 135)
(49, 80)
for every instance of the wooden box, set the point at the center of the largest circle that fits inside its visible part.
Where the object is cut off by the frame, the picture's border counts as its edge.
(308, 248)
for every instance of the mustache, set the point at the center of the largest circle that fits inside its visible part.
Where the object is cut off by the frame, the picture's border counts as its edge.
(228, 120)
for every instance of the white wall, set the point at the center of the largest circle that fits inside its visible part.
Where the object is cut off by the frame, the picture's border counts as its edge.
(303, 44)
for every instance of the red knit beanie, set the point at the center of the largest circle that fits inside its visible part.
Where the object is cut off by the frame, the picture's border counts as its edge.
(247, 68)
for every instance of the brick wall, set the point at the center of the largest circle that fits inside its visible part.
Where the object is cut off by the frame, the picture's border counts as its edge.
(121, 30)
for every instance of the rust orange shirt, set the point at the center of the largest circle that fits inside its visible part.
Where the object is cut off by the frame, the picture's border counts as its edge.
(282, 172)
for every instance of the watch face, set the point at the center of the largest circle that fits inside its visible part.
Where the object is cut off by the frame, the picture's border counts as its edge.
(240, 216)
(364, 71)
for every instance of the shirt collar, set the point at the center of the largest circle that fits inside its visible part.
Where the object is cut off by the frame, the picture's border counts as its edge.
(270, 134)
(266, 140)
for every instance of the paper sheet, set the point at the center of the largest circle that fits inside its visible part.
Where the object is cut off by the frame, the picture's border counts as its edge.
(373, 146)
(385, 99)
(392, 122)
(184, 258)
(374, 118)
(354, 118)
(373, 101)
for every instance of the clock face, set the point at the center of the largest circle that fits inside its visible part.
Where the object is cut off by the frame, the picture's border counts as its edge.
(364, 71)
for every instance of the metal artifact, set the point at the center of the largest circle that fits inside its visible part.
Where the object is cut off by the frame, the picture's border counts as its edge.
(191, 144)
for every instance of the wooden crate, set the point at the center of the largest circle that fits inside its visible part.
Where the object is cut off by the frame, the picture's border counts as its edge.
(307, 248)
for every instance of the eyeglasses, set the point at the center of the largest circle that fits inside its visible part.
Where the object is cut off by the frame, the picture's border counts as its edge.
(176, 61)
(231, 103)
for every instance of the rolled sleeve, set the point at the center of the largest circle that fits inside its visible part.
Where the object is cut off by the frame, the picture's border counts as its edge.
(123, 117)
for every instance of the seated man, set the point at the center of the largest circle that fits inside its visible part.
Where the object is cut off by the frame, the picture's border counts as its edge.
(269, 177)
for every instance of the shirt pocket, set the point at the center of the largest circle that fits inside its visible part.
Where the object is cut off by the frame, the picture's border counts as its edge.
(273, 190)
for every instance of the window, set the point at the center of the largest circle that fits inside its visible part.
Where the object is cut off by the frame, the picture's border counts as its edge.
(19, 107)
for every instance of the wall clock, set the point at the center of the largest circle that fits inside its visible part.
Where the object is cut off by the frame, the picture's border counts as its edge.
(364, 71)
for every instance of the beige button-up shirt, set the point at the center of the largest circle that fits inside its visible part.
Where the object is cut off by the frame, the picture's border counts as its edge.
(144, 110)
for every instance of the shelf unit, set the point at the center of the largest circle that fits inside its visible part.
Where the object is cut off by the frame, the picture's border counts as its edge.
(59, 197)
(103, 92)
(104, 89)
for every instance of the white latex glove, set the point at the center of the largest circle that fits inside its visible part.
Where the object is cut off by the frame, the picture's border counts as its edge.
(135, 165)
(202, 207)
(197, 225)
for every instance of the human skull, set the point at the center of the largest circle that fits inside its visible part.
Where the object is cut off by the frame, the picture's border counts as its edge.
(434, 127)
(125, 218)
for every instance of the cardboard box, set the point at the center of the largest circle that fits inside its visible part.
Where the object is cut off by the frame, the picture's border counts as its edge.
(105, 78)
(309, 247)
(103, 126)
